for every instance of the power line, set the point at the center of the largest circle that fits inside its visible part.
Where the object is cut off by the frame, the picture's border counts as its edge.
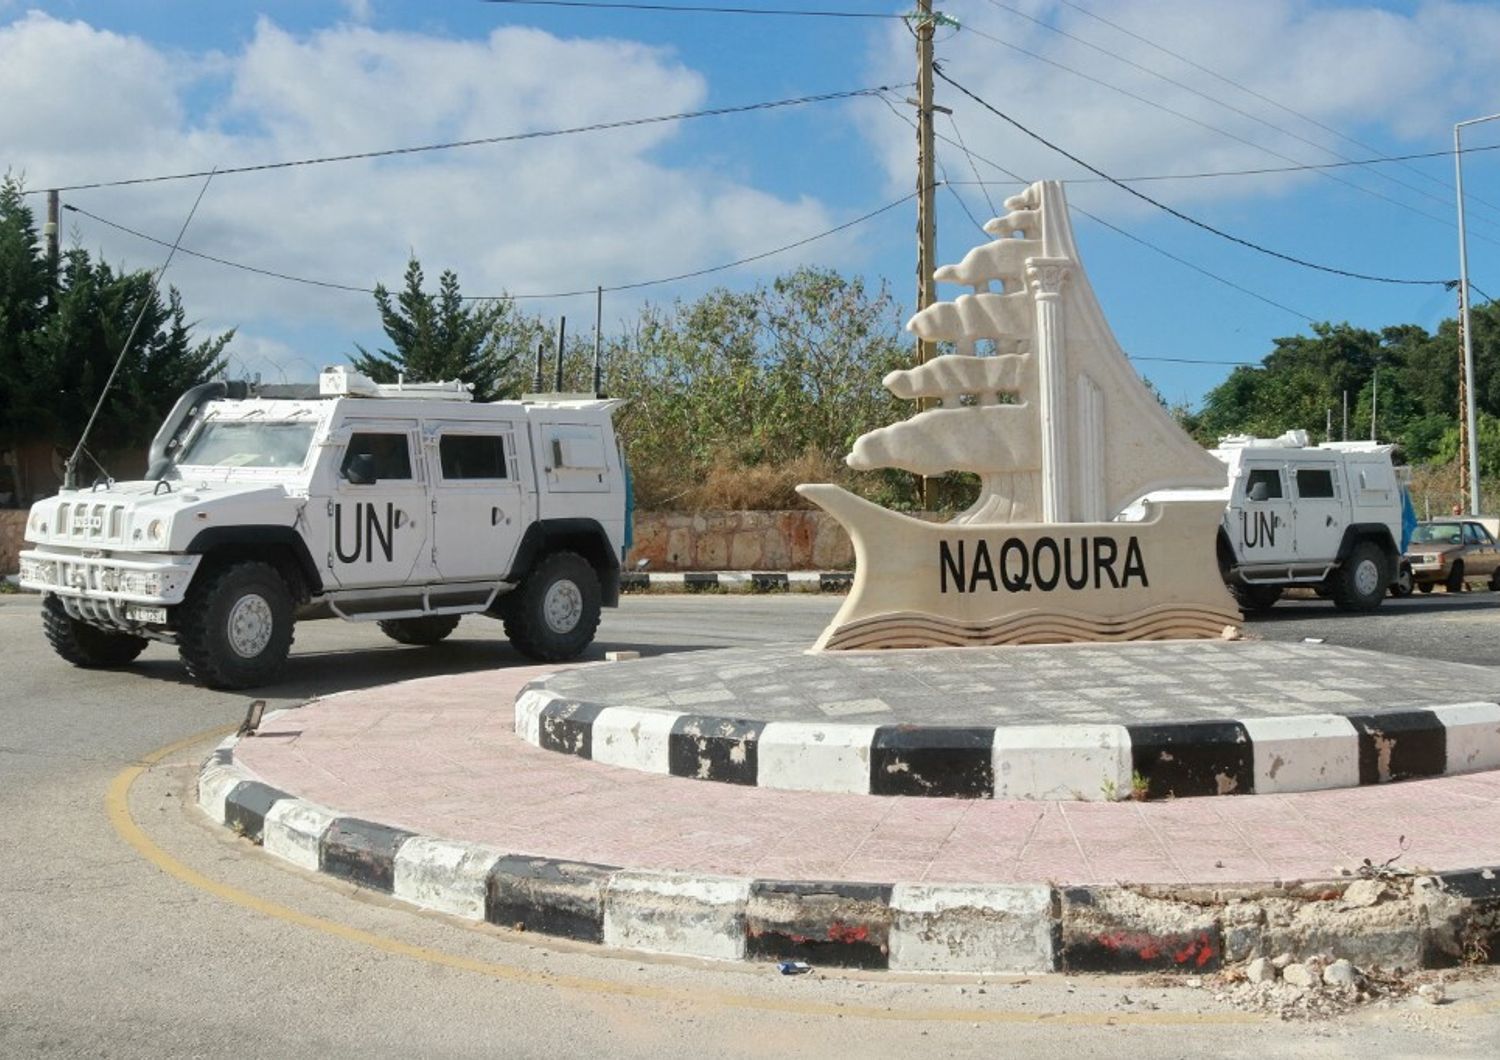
(1246, 89)
(1203, 95)
(637, 285)
(1178, 213)
(1185, 263)
(697, 9)
(1299, 168)
(541, 134)
(1405, 207)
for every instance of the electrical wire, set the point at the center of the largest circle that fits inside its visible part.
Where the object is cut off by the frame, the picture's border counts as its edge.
(1185, 263)
(603, 126)
(696, 9)
(1251, 92)
(937, 70)
(1405, 207)
(998, 4)
(636, 285)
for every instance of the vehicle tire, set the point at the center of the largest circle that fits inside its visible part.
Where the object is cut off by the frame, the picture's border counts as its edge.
(235, 627)
(554, 613)
(1495, 582)
(1360, 583)
(428, 629)
(1425, 587)
(1402, 586)
(1253, 598)
(84, 645)
(1454, 583)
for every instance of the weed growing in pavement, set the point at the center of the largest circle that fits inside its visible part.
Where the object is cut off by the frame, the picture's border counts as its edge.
(1140, 787)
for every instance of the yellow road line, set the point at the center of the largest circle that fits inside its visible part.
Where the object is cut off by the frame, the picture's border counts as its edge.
(116, 802)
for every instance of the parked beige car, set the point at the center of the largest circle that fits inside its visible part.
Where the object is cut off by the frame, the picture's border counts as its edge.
(1448, 552)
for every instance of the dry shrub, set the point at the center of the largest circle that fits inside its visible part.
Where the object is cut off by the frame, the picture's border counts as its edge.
(766, 487)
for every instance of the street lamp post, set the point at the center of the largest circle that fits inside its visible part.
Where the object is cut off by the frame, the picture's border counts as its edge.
(1463, 310)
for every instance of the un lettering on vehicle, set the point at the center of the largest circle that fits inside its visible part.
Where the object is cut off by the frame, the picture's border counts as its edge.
(1258, 529)
(370, 530)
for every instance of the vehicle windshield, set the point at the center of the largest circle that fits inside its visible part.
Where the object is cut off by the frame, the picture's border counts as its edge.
(1438, 534)
(231, 443)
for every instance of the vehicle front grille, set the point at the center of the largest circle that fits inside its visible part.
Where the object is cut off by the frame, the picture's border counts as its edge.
(87, 522)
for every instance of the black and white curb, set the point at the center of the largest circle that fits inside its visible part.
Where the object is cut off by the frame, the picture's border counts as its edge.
(1264, 755)
(803, 581)
(909, 927)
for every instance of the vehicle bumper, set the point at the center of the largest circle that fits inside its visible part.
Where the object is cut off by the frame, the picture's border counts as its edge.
(123, 589)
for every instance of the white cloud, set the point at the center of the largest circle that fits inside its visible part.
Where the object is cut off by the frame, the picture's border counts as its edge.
(551, 214)
(1374, 73)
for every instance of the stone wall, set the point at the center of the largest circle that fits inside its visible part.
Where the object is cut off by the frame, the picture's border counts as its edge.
(769, 541)
(12, 526)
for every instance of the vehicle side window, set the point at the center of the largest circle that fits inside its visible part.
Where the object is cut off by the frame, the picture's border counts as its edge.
(465, 456)
(1473, 534)
(390, 453)
(1270, 476)
(1314, 482)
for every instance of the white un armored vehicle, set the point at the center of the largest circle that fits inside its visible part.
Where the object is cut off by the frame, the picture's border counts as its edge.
(1325, 517)
(406, 505)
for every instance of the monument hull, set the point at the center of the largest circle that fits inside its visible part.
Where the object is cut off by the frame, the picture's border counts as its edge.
(920, 584)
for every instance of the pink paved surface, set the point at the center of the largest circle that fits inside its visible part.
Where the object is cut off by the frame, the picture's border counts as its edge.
(440, 757)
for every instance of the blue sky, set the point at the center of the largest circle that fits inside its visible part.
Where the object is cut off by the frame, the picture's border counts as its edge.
(99, 91)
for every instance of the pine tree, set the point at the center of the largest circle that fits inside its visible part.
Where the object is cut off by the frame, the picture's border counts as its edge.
(437, 337)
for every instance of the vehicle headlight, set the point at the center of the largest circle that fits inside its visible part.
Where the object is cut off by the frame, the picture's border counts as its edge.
(38, 522)
(157, 530)
(140, 583)
(37, 571)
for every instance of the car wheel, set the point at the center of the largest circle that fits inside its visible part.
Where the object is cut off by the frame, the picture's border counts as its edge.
(428, 629)
(1454, 583)
(1425, 587)
(555, 611)
(235, 627)
(1360, 584)
(1254, 598)
(1402, 586)
(84, 645)
(1495, 581)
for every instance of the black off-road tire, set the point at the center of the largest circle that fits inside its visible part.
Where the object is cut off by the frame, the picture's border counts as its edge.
(426, 630)
(84, 645)
(553, 615)
(235, 627)
(1454, 583)
(1255, 598)
(1361, 581)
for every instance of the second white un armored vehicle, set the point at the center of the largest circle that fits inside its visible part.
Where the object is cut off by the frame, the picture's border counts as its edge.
(406, 505)
(1328, 517)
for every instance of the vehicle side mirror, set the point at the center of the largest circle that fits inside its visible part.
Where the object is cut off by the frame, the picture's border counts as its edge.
(1259, 492)
(360, 469)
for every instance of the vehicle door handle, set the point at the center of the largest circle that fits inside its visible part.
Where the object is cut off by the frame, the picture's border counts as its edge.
(495, 516)
(401, 519)
(1330, 521)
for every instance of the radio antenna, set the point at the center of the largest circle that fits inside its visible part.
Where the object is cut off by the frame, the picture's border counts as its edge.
(70, 471)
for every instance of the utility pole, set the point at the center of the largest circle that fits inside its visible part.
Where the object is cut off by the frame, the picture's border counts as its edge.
(926, 215)
(49, 237)
(1345, 436)
(562, 334)
(1465, 484)
(1374, 398)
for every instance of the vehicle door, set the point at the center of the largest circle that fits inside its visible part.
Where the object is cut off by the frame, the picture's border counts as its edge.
(476, 499)
(1319, 512)
(377, 508)
(1263, 519)
(1480, 553)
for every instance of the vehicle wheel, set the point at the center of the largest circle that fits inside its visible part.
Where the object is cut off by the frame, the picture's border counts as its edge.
(84, 645)
(426, 630)
(1359, 585)
(1455, 580)
(1425, 587)
(1402, 586)
(1495, 582)
(554, 613)
(1254, 598)
(235, 627)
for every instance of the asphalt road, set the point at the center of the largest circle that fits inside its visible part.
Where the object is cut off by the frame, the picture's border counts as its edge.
(130, 927)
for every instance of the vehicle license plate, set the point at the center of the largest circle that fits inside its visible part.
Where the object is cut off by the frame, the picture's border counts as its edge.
(146, 614)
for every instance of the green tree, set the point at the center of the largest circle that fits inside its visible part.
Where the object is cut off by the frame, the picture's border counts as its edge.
(60, 337)
(437, 337)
